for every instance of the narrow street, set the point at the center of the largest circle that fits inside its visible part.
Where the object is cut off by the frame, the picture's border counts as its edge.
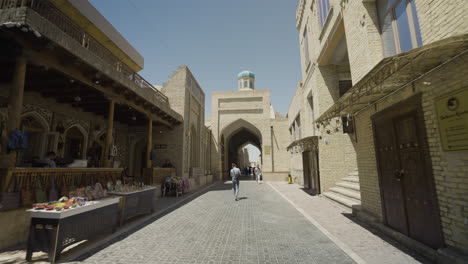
(263, 227)
(260, 228)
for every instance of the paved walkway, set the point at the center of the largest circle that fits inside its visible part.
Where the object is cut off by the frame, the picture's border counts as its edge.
(213, 228)
(342, 225)
(272, 223)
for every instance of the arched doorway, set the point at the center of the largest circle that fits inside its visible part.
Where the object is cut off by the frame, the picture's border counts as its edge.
(194, 148)
(36, 129)
(139, 157)
(237, 135)
(75, 144)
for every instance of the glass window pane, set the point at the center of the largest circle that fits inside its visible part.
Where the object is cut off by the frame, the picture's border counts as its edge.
(245, 84)
(416, 23)
(404, 33)
(385, 20)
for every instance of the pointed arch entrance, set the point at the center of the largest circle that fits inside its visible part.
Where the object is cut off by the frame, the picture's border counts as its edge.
(36, 127)
(235, 136)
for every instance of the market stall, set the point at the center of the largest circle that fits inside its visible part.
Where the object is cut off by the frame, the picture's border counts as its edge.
(135, 202)
(156, 176)
(174, 185)
(53, 228)
(25, 186)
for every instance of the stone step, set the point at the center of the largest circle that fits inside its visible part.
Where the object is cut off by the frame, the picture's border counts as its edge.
(354, 179)
(348, 202)
(354, 173)
(349, 185)
(346, 192)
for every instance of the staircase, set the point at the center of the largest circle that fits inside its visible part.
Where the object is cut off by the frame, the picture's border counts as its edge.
(347, 191)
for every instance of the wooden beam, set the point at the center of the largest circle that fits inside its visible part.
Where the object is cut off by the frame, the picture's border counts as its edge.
(108, 142)
(15, 107)
(76, 74)
(149, 145)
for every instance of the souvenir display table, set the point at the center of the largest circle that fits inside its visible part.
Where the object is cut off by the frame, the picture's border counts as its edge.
(52, 231)
(135, 203)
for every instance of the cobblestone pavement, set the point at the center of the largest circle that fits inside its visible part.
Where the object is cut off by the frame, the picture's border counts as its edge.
(366, 242)
(213, 228)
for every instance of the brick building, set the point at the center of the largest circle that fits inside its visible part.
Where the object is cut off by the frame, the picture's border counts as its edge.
(401, 97)
(246, 117)
(70, 82)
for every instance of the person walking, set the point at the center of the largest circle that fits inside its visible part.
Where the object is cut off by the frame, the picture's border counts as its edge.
(235, 174)
(258, 173)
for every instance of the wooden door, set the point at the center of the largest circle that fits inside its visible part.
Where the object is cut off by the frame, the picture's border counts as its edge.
(391, 190)
(405, 173)
(417, 180)
(306, 169)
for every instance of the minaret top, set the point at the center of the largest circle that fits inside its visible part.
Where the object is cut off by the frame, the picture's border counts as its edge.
(246, 80)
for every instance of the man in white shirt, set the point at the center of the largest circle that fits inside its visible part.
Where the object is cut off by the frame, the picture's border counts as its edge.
(258, 173)
(235, 174)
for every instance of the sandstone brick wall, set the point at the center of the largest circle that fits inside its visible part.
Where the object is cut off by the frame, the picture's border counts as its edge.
(188, 99)
(450, 169)
(362, 37)
(441, 19)
(280, 142)
(336, 151)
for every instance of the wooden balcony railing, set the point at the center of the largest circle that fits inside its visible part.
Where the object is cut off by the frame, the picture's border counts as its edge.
(20, 178)
(47, 10)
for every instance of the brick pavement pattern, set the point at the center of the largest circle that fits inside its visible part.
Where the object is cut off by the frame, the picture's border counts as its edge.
(213, 228)
(338, 220)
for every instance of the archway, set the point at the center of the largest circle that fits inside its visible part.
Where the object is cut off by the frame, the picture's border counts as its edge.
(36, 129)
(194, 148)
(139, 157)
(75, 143)
(237, 135)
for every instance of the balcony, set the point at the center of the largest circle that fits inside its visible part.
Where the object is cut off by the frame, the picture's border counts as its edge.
(45, 20)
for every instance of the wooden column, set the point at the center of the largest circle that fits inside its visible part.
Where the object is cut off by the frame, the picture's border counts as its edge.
(108, 142)
(15, 107)
(149, 146)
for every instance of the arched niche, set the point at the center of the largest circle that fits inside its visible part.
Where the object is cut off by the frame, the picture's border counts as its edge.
(76, 142)
(36, 128)
(194, 148)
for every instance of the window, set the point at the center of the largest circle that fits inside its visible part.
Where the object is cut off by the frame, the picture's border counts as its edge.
(298, 127)
(305, 47)
(344, 86)
(399, 25)
(246, 84)
(323, 10)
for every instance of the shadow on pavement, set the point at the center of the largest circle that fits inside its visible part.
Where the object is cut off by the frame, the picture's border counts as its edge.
(243, 198)
(309, 191)
(387, 239)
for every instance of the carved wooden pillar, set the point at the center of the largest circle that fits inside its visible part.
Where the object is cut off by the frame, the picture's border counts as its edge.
(15, 107)
(149, 146)
(108, 142)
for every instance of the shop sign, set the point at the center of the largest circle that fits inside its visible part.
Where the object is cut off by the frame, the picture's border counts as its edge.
(452, 116)
(267, 150)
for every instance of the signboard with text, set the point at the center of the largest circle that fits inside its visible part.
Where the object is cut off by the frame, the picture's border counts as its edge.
(452, 116)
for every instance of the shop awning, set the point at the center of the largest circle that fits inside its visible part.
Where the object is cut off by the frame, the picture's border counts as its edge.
(394, 73)
(304, 144)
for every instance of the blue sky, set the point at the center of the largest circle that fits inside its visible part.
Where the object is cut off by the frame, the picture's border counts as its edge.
(216, 38)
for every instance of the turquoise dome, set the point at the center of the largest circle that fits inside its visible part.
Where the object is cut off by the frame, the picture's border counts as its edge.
(246, 74)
